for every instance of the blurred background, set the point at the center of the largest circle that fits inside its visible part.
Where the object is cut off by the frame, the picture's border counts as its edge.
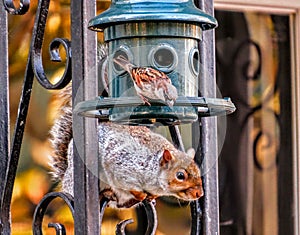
(254, 67)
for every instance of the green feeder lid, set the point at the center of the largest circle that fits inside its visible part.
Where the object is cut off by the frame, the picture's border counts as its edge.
(126, 11)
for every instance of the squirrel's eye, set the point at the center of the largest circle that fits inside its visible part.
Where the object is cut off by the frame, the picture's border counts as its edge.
(181, 175)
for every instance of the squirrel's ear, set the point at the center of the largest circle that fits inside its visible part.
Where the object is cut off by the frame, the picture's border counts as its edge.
(191, 153)
(166, 158)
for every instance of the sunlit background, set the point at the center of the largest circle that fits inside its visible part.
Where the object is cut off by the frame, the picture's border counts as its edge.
(253, 68)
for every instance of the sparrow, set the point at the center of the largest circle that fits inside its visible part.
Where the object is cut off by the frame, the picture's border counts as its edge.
(149, 83)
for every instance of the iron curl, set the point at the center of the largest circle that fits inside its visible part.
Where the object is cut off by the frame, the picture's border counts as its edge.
(151, 219)
(41, 209)
(11, 9)
(59, 228)
(55, 57)
(36, 50)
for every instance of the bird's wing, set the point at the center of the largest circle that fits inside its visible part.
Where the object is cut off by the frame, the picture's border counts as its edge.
(148, 75)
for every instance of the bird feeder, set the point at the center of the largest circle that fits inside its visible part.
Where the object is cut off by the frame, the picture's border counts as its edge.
(161, 34)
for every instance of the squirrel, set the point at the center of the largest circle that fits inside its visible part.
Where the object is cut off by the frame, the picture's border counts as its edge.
(135, 162)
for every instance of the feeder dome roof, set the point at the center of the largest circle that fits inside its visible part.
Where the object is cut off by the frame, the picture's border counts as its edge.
(121, 12)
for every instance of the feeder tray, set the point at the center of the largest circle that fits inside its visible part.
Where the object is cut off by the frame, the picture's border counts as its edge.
(138, 113)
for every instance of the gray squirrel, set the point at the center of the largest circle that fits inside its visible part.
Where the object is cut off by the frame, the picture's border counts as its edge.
(135, 163)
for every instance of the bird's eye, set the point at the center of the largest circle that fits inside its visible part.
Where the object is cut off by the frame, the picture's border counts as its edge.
(125, 52)
(181, 175)
(122, 53)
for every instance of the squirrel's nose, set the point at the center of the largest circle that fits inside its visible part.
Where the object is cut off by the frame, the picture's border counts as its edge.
(197, 192)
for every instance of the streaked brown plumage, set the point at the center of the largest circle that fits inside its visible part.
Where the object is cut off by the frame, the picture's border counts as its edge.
(149, 83)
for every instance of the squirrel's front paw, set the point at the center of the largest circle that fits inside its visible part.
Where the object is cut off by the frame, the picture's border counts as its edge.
(130, 203)
(138, 195)
(109, 194)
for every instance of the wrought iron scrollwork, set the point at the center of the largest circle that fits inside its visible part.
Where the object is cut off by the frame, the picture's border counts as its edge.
(151, 217)
(246, 45)
(68, 199)
(150, 212)
(34, 66)
(120, 230)
(253, 110)
(268, 142)
(41, 209)
(36, 50)
(55, 57)
(11, 9)
(59, 228)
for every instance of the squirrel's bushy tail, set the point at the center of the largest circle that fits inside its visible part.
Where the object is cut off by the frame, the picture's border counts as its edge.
(61, 132)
